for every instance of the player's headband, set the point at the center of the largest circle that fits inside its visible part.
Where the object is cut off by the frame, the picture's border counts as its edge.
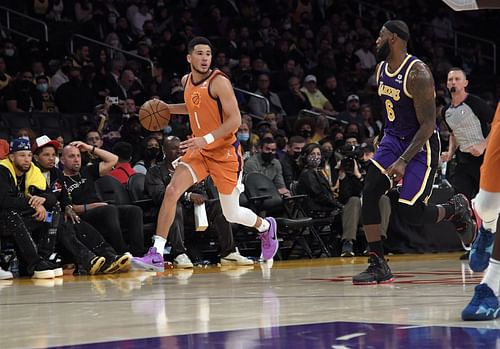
(395, 27)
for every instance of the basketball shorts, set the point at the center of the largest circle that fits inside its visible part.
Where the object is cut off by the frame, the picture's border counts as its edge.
(420, 171)
(224, 164)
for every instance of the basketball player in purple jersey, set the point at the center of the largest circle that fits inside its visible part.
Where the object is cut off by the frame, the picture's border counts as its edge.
(409, 151)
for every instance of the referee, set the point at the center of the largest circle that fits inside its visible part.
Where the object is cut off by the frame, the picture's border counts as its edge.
(468, 117)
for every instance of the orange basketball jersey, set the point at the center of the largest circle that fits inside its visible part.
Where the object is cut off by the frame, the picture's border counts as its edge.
(205, 111)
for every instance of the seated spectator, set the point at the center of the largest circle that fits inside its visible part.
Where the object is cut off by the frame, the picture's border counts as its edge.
(290, 160)
(21, 95)
(258, 107)
(108, 219)
(123, 170)
(334, 93)
(305, 127)
(24, 201)
(370, 126)
(266, 163)
(151, 155)
(62, 74)
(317, 99)
(74, 96)
(87, 247)
(157, 179)
(48, 99)
(320, 129)
(293, 99)
(5, 78)
(244, 138)
(352, 112)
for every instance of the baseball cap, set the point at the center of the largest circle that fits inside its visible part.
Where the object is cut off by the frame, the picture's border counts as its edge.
(43, 141)
(310, 78)
(352, 97)
(19, 144)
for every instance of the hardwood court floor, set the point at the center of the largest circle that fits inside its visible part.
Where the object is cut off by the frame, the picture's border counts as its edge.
(295, 304)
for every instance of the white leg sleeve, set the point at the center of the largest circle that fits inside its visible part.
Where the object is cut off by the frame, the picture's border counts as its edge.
(462, 5)
(233, 212)
(487, 206)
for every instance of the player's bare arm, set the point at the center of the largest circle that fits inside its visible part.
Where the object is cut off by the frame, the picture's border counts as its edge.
(221, 87)
(179, 108)
(421, 87)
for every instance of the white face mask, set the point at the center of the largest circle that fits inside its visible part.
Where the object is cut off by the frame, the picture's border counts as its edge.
(9, 52)
(114, 43)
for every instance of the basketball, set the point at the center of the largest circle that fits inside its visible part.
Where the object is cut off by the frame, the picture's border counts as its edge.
(154, 115)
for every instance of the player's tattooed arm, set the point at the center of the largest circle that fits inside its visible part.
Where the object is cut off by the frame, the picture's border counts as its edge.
(421, 87)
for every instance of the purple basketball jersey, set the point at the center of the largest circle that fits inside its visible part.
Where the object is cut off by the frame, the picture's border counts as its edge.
(398, 109)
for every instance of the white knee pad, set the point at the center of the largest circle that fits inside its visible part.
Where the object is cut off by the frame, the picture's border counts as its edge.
(487, 206)
(233, 212)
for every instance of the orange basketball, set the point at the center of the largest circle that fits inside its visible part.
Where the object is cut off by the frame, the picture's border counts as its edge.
(154, 115)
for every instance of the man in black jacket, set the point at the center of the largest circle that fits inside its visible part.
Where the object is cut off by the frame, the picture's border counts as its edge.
(289, 160)
(24, 202)
(157, 179)
(86, 245)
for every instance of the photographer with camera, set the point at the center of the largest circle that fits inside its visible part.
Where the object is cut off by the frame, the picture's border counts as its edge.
(352, 172)
(351, 183)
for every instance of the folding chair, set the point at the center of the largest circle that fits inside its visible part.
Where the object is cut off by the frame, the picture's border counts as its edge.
(265, 198)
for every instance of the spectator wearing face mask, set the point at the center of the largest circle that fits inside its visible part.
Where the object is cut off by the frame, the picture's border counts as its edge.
(48, 99)
(22, 96)
(266, 163)
(290, 160)
(151, 155)
(305, 128)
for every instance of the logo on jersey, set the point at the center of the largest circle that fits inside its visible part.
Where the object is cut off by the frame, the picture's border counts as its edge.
(196, 99)
(384, 90)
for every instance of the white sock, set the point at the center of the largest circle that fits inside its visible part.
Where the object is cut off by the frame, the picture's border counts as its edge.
(264, 226)
(159, 243)
(492, 276)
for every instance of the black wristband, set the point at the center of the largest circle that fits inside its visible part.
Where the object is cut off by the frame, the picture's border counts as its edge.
(93, 149)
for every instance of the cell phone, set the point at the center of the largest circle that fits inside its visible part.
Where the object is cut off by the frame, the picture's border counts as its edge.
(112, 100)
(48, 217)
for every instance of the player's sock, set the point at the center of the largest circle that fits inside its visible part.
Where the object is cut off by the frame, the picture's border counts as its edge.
(159, 243)
(377, 247)
(264, 226)
(492, 276)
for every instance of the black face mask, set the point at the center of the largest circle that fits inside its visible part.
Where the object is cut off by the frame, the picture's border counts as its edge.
(75, 81)
(306, 133)
(296, 154)
(327, 154)
(338, 143)
(383, 52)
(268, 157)
(152, 153)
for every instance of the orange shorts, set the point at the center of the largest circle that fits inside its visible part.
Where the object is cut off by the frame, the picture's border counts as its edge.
(490, 170)
(223, 164)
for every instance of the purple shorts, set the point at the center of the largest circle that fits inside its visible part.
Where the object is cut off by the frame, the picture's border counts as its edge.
(420, 171)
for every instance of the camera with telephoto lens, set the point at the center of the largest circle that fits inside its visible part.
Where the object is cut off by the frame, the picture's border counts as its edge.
(351, 153)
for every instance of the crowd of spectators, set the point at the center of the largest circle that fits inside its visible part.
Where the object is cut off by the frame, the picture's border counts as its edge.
(314, 55)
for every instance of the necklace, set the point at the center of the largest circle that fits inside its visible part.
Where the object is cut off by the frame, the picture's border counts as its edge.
(71, 178)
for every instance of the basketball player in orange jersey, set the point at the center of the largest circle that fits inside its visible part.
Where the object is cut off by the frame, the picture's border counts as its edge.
(213, 150)
(485, 249)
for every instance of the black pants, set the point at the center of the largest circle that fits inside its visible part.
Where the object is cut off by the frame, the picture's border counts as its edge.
(84, 242)
(184, 220)
(109, 221)
(22, 227)
(466, 179)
